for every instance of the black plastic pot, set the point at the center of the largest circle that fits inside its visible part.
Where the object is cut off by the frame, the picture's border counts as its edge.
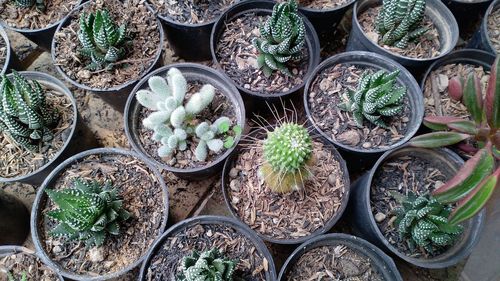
(11, 60)
(466, 12)
(79, 139)
(255, 101)
(15, 222)
(242, 229)
(42, 36)
(115, 96)
(481, 39)
(6, 251)
(435, 9)
(381, 262)
(326, 20)
(192, 72)
(41, 199)
(250, 140)
(365, 226)
(358, 157)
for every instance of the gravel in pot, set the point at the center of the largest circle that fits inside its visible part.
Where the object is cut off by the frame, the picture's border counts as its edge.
(19, 262)
(143, 196)
(493, 23)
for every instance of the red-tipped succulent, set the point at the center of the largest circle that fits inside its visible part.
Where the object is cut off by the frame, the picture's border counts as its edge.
(475, 182)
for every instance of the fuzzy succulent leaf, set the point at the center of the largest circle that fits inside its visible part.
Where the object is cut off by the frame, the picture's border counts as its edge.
(199, 101)
(210, 265)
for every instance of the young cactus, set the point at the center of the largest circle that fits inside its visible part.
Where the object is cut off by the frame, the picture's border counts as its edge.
(25, 4)
(376, 96)
(423, 221)
(288, 152)
(208, 266)
(399, 22)
(101, 39)
(281, 38)
(87, 211)
(24, 115)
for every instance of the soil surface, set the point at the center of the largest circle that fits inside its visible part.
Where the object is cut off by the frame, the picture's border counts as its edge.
(494, 28)
(23, 263)
(415, 173)
(3, 53)
(140, 54)
(18, 161)
(238, 58)
(31, 18)
(191, 11)
(329, 89)
(427, 46)
(142, 197)
(286, 216)
(220, 106)
(436, 98)
(333, 263)
(322, 4)
(165, 264)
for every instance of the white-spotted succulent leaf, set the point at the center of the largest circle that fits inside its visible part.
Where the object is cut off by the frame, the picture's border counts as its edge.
(210, 265)
(377, 96)
(88, 211)
(24, 114)
(281, 39)
(40, 5)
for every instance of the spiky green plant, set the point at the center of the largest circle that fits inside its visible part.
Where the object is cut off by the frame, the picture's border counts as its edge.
(423, 221)
(377, 96)
(24, 4)
(24, 277)
(399, 22)
(103, 42)
(87, 211)
(288, 152)
(281, 38)
(24, 115)
(208, 266)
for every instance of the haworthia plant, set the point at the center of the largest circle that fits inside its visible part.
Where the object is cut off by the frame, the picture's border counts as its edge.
(399, 21)
(24, 114)
(210, 265)
(377, 96)
(39, 4)
(281, 38)
(87, 211)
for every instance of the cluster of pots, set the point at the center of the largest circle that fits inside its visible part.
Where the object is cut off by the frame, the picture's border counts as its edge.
(200, 42)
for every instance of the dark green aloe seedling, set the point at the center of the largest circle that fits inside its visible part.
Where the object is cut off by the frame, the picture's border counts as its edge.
(281, 38)
(208, 266)
(399, 21)
(475, 182)
(102, 40)
(24, 115)
(39, 4)
(88, 211)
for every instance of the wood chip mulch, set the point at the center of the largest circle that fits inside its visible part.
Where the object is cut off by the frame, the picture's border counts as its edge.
(191, 12)
(494, 28)
(320, 4)
(19, 263)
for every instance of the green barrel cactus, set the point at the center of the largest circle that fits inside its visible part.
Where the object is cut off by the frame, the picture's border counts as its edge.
(281, 38)
(25, 4)
(24, 114)
(88, 211)
(375, 97)
(208, 266)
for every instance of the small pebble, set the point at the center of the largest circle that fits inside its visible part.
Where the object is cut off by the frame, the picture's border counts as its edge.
(379, 217)
(57, 249)
(96, 254)
(367, 144)
(235, 185)
(246, 86)
(332, 179)
(233, 173)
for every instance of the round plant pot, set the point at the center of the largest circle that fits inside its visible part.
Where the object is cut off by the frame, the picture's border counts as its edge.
(365, 225)
(256, 101)
(461, 10)
(42, 36)
(11, 59)
(79, 138)
(357, 156)
(206, 221)
(14, 226)
(481, 39)
(328, 224)
(9, 251)
(326, 20)
(115, 96)
(442, 18)
(382, 263)
(41, 200)
(192, 72)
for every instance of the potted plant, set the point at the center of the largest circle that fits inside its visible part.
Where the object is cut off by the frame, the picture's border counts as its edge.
(363, 103)
(339, 256)
(35, 19)
(14, 226)
(21, 264)
(487, 37)
(285, 183)
(32, 145)
(8, 58)
(186, 119)
(188, 25)
(209, 248)
(107, 46)
(265, 61)
(415, 37)
(125, 205)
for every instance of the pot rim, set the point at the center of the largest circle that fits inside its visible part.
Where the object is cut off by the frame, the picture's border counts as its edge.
(345, 5)
(484, 24)
(5, 38)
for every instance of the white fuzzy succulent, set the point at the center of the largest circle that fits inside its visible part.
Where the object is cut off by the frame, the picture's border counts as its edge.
(207, 134)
